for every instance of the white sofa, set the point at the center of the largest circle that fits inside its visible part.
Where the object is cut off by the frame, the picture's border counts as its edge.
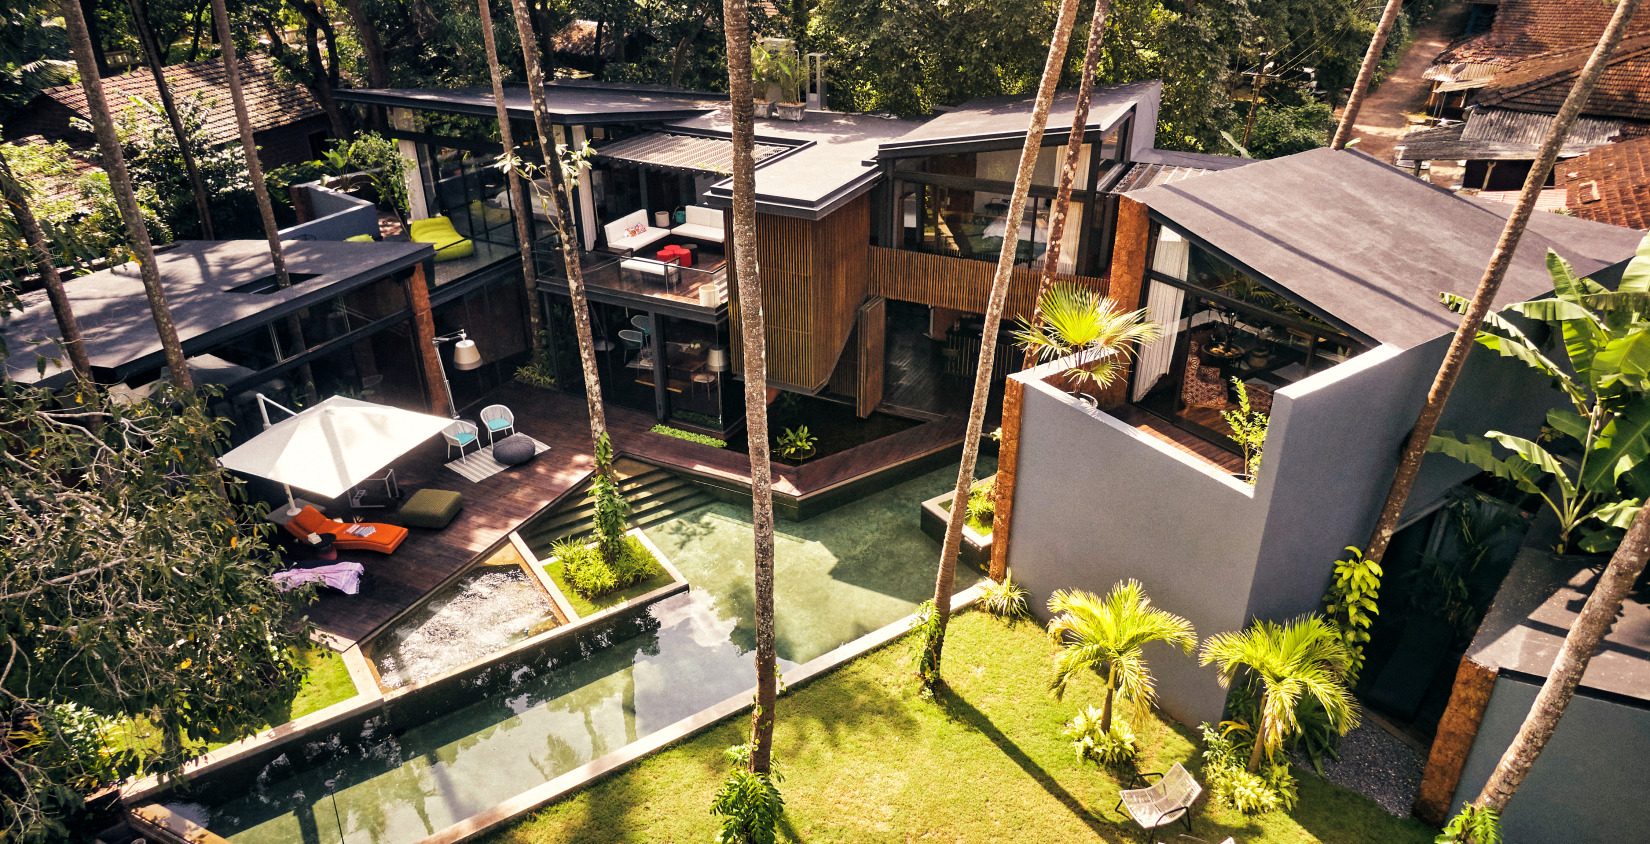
(701, 223)
(619, 239)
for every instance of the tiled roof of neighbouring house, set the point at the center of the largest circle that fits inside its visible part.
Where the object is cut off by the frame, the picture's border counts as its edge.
(1541, 82)
(83, 161)
(1611, 184)
(270, 100)
(1526, 28)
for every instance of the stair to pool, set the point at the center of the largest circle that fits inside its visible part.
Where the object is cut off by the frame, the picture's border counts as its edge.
(655, 495)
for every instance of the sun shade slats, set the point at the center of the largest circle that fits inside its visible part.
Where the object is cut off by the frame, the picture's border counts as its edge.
(679, 152)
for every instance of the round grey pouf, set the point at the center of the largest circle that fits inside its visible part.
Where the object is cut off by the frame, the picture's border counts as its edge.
(514, 450)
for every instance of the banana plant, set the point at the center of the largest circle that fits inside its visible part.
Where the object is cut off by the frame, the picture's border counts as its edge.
(1597, 481)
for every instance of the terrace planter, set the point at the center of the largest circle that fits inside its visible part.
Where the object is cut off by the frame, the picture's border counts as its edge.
(790, 111)
(975, 550)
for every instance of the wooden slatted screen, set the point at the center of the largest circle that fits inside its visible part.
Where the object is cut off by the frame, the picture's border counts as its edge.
(956, 283)
(871, 347)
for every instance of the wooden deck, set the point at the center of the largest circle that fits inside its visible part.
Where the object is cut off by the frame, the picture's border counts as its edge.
(1187, 442)
(500, 504)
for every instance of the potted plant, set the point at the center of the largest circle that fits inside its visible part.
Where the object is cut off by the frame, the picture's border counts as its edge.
(762, 81)
(787, 75)
(1083, 324)
(1249, 429)
(796, 444)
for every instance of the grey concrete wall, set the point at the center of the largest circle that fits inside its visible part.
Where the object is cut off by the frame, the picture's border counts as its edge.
(1588, 784)
(1097, 502)
(337, 216)
(1333, 449)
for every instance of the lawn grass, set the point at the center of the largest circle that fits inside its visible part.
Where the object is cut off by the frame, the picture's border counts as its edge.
(867, 760)
(585, 607)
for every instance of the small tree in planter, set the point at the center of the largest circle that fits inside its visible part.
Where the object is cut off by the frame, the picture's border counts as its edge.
(787, 75)
(1249, 429)
(762, 80)
(1082, 322)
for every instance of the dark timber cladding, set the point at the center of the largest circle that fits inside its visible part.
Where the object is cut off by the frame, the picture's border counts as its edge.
(956, 283)
(813, 281)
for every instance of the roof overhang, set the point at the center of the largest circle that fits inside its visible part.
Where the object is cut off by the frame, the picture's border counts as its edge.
(568, 105)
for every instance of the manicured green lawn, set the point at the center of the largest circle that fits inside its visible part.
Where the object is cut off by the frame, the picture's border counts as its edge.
(866, 760)
(585, 607)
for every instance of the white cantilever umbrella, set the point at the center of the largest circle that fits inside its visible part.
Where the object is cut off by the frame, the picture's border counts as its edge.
(332, 446)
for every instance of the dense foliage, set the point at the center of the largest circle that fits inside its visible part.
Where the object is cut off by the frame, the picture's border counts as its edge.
(132, 584)
(592, 577)
(748, 803)
(75, 210)
(156, 163)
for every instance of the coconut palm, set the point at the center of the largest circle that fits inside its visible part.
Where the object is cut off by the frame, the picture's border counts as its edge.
(120, 184)
(1366, 74)
(753, 338)
(1082, 322)
(1106, 635)
(1455, 359)
(153, 56)
(1068, 170)
(518, 196)
(1305, 657)
(255, 174)
(946, 578)
(17, 199)
(563, 222)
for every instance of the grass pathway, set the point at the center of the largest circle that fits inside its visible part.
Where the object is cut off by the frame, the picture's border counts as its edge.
(866, 760)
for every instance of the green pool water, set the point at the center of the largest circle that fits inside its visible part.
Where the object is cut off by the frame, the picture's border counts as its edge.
(838, 576)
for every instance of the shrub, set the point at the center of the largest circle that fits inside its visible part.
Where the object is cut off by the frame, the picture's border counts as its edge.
(1004, 600)
(982, 505)
(610, 508)
(1114, 747)
(1273, 787)
(1473, 826)
(691, 437)
(592, 577)
(748, 803)
(926, 621)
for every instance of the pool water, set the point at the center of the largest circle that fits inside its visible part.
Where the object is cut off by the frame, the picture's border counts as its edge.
(838, 576)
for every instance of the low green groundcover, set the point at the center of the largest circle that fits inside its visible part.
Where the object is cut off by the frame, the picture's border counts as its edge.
(865, 759)
(974, 524)
(654, 576)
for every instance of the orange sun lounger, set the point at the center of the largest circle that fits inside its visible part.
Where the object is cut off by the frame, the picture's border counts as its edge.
(384, 538)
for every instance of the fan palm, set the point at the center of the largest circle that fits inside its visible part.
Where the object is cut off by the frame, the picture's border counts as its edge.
(1081, 321)
(1106, 635)
(1304, 657)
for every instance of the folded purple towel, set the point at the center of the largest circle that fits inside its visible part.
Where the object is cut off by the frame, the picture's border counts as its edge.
(345, 577)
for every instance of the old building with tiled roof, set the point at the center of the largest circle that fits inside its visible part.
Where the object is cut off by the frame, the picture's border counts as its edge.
(1611, 184)
(287, 123)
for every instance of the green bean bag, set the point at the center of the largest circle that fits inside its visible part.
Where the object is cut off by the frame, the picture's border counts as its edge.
(438, 231)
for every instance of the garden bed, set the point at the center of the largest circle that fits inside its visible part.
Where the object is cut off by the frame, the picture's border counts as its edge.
(976, 545)
(657, 577)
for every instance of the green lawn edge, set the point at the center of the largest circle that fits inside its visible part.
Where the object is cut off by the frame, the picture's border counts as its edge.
(865, 759)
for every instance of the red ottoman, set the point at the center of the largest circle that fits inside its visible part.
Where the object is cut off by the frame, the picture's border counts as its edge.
(675, 255)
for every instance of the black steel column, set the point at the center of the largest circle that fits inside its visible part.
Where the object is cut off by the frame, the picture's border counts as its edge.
(661, 367)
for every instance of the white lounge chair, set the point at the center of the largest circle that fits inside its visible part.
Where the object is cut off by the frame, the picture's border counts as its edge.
(701, 223)
(631, 232)
(461, 435)
(1163, 802)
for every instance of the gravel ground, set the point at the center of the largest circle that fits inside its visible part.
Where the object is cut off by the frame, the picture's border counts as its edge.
(1376, 765)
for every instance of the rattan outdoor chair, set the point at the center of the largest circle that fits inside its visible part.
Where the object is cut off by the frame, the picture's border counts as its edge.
(1163, 802)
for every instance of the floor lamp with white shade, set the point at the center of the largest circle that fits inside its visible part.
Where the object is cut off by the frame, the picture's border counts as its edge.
(465, 358)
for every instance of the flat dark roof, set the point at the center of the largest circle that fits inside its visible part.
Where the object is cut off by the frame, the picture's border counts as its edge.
(588, 105)
(829, 164)
(1004, 119)
(1535, 608)
(1369, 245)
(198, 275)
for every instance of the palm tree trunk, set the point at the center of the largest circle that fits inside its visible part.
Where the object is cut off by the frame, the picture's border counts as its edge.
(1068, 171)
(153, 57)
(120, 183)
(1366, 74)
(67, 326)
(753, 334)
(1589, 629)
(1465, 335)
(1111, 691)
(565, 228)
(1260, 745)
(518, 196)
(260, 188)
(946, 580)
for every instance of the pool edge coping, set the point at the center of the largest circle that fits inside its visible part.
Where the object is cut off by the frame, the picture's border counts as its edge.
(541, 795)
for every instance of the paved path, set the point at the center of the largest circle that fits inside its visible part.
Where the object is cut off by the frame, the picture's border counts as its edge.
(1385, 115)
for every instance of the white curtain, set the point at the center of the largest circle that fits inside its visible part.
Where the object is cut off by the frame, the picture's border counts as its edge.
(1163, 303)
(1069, 240)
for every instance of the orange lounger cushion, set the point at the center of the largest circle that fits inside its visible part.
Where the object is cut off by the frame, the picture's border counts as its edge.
(379, 537)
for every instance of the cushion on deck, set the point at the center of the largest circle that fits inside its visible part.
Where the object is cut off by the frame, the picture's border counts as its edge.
(514, 450)
(438, 231)
(431, 508)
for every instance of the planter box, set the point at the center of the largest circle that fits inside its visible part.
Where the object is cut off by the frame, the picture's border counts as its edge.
(976, 549)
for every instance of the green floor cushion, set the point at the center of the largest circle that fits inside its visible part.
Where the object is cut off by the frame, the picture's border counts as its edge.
(431, 508)
(359, 238)
(438, 231)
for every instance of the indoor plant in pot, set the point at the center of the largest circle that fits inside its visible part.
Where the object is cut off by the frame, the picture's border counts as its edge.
(1084, 325)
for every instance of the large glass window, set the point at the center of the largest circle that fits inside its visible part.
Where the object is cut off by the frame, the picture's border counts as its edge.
(1220, 324)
